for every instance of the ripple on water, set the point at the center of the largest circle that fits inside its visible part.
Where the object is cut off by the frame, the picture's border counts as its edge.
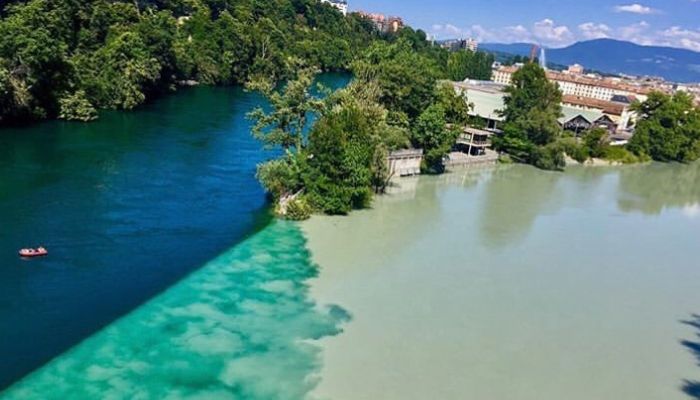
(236, 329)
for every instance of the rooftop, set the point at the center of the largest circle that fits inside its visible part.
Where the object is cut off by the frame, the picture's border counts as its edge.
(487, 102)
(406, 153)
(586, 80)
(608, 107)
(570, 113)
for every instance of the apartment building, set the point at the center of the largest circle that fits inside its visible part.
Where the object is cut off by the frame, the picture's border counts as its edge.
(574, 84)
(341, 5)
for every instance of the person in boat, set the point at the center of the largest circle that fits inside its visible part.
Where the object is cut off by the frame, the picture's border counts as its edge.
(40, 251)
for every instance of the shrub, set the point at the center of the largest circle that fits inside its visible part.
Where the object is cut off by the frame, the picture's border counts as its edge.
(575, 150)
(595, 142)
(331, 198)
(621, 154)
(298, 210)
(279, 177)
(550, 157)
(505, 158)
(76, 107)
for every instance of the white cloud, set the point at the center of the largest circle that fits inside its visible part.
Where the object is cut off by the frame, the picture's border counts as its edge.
(679, 37)
(447, 30)
(637, 33)
(591, 30)
(546, 32)
(636, 8)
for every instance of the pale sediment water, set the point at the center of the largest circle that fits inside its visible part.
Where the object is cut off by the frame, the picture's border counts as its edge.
(239, 328)
(513, 283)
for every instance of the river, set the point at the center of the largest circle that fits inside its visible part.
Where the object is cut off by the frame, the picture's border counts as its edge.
(519, 284)
(127, 206)
(168, 279)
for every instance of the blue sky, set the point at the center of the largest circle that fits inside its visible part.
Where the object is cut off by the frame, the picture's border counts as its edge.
(552, 23)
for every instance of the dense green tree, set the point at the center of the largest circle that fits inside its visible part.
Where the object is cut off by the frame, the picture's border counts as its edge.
(122, 72)
(348, 149)
(668, 128)
(379, 168)
(407, 78)
(33, 51)
(341, 150)
(549, 157)
(290, 107)
(595, 141)
(466, 64)
(120, 53)
(532, 108)
(456, 104)
(531, 90)
(432, 134)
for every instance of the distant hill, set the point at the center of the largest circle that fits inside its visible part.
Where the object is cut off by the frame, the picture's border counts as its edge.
(616, 56)
(517, 49)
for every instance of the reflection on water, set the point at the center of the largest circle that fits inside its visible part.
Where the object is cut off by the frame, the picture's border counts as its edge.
(692, 210)
(692, 388)
(236, 329)
(518, 196)
(513, 283)
(515, 196)
(652, 188)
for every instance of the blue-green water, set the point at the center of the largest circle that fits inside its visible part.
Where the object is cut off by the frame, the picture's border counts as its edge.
(127, 206)
(233, 330)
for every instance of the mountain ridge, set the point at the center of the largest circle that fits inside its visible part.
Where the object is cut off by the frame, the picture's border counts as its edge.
(620, 57)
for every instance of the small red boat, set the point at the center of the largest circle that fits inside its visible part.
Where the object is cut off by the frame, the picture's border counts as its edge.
(38, 252)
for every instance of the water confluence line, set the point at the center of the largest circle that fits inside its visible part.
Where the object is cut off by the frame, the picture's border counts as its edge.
(239, 327)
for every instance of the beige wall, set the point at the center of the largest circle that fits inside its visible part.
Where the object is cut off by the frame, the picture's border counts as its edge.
(405, 166)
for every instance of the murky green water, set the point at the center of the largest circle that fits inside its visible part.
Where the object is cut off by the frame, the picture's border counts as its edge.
(517, 284)
(236, 329)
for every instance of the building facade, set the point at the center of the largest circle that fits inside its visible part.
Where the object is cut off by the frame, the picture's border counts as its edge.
(578, 114)
(341, 5)
(461, 44)
(405, 162)
(572, 84)
(383, 23)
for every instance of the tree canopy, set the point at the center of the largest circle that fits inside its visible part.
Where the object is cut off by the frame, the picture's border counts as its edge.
(120, 53)
(406, 77)
(668, 128)
(466, 64)
(532, 108)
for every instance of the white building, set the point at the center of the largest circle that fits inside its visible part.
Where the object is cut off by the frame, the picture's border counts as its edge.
(341, 5)
(472, 45)
(576, 69)
(405, 162)
(487, 100)
(580, 85)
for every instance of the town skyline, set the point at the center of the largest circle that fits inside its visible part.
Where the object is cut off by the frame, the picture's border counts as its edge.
(656, 22)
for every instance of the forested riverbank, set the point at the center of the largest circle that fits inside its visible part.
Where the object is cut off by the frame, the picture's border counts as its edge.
(65, 59)
(68, 59)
